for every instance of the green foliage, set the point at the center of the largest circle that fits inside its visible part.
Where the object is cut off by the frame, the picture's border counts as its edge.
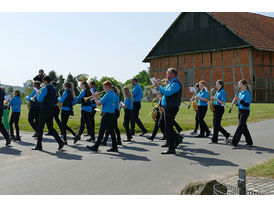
(116, 83)
(265, 169)
(53, 75)
(10, 90)
(71, 79)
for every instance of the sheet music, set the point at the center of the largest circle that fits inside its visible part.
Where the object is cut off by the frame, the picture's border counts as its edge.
(153, 80)
(7, 97)
(192, 89)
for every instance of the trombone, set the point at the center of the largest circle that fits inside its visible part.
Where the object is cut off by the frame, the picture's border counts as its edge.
(98, 95)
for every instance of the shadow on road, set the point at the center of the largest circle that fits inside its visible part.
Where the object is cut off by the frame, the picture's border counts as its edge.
(260, 150)
(27, 144)
(144, 143)
(139, 149)
(10, 151)
(64, 155)
(206, 161)
(201, 151)
(125, 156)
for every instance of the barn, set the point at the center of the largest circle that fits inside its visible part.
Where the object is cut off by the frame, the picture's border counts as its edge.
(220, 45)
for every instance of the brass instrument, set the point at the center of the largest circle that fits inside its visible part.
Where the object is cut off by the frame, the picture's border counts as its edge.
(195, 105)
(153, 113)
(211, 102)
(161, 82)
(98, 95)
(193, 102)
(233, 102)
(82, 77)
(6, 102)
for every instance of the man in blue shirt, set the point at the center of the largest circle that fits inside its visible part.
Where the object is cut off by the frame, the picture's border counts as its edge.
(202, 98)
(2, 128)
(47, 98)
(171, 102)
(35, 108)
(137, 94)
(109, 103)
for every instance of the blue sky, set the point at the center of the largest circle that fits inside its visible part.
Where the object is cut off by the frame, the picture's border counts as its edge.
(99, 44)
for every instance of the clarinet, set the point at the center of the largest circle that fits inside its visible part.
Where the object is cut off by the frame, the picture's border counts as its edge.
(233, 102)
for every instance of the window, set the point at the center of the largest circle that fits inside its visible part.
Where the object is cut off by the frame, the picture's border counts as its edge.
(188, 77)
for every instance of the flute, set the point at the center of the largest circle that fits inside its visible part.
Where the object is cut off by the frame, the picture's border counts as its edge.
(233, 102)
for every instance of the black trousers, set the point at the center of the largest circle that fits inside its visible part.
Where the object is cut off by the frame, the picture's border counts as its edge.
(243, 115)
(46, 117)
(14, 119)
(107, 123)
(85, 120)
(135, 118)
(201, 115)
(2, 128)
(127, 117)
(33, 117)
(56, 117)
(169, 117)
(196, 122)
(64, 119)
(115, 128)
(92, 122)
(217, 119)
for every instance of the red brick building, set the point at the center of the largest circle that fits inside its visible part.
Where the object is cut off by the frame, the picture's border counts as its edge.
(212, 46)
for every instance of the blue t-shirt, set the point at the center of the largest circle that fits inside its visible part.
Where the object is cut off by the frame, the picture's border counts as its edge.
(117, 106)
(93, 104)
(169, 90)
(246, 97)
(109, 102)
(81, 96)
(202, 94)
(137, 93)
(128, 103)
(62, 99)
(15, 104)
(220, 95)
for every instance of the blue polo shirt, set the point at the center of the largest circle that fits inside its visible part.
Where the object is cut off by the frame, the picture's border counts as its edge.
(128, 104)
(62, 99)
(93, 104)
(40, 97)
(171, 88)
(246, 97)
(28, 98)
(117, 106)
(109, 102)
(202, 94)
(81, 96)
(220, 95)
(15, 104)
(137, 93)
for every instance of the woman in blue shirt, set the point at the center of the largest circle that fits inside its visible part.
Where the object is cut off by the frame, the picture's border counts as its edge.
(202, 97)
(86, 109)
(243, 100)
(219, 100)
(128, 107)
(15, 104)
(117, 115)
(67, 109)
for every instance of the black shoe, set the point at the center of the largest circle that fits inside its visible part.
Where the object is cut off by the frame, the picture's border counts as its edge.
(213, 142)
(200, 135)
(127, 140)
(193, 133)
(61, 146)
(92, 148)
(169, 152)
(18, 138)
(65, 142)
(165, 145)
(163, 138)
(91, 139)
(150, 138)
(104, 143)
(113, 150)
(49, 134)
(144, 132)
(12, 137)
(76, 138)
(8, 142)
(132, 133)
(119, 143)
(208, 133)
(227, 138)
(35, 134)
(86, 135)
(37, 148)
(180, 130)
(250, 145)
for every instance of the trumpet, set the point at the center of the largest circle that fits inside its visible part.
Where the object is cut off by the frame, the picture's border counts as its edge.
(98, 95)
(38, 92)
(161, 82)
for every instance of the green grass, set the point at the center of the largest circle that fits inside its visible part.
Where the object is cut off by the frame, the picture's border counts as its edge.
(185, 117)
(265, 169)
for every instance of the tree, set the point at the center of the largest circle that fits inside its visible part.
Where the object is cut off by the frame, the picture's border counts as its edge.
(60, 81)
(10, 90)
(53, 75)
(71, 79)
(143, 78)
(115, 82)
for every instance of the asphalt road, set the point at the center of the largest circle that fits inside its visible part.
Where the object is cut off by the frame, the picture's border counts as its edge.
(139, 168)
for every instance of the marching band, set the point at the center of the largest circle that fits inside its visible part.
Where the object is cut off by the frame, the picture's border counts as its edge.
(45, 104)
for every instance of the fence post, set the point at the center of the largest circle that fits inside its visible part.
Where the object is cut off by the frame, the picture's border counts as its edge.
(242, 182)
